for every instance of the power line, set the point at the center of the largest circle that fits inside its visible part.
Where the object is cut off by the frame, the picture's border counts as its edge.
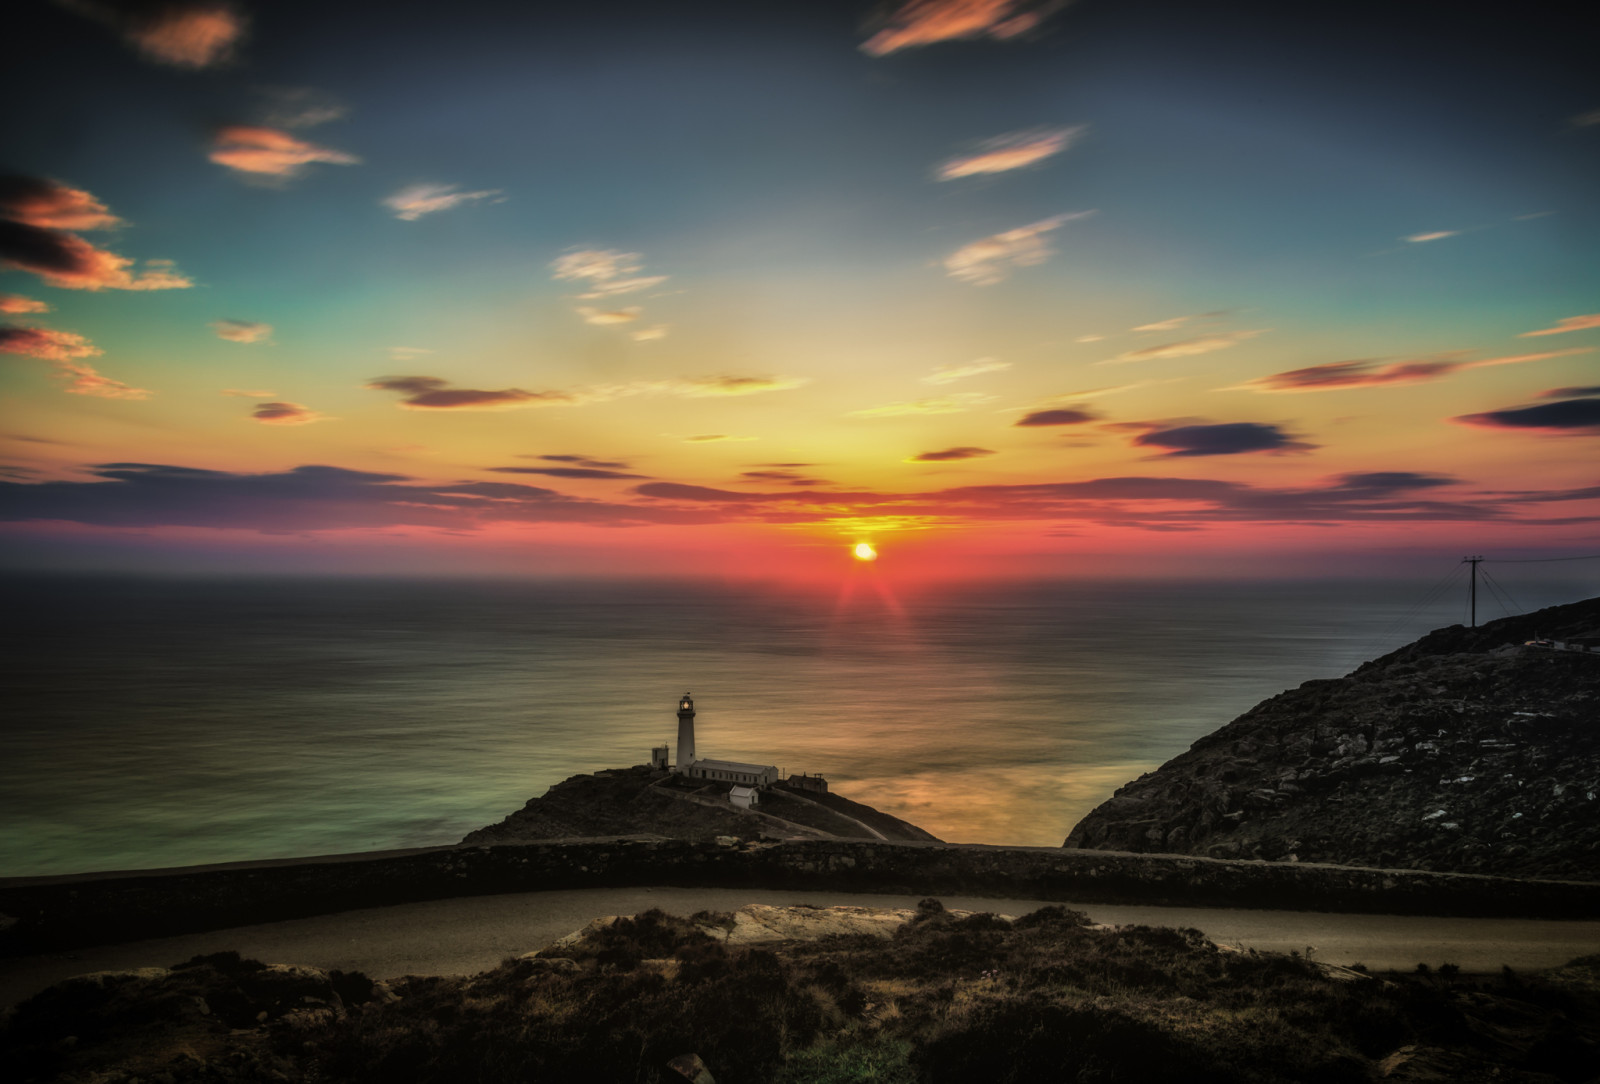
(1539, 560)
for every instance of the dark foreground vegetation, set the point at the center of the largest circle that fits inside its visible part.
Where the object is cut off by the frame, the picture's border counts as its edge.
(1046, 997)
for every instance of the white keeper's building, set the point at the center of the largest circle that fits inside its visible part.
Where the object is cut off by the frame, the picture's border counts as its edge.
(755, 777)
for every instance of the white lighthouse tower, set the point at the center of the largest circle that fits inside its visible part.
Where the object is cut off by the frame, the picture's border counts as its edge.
(685, 733)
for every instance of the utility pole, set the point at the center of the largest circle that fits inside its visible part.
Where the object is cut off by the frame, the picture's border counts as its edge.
(1473, 590)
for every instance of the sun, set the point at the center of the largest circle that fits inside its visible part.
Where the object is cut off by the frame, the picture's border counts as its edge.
(865, 552)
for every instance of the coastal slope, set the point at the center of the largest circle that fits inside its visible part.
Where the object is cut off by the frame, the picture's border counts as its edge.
(1469, 750)
(639, 801)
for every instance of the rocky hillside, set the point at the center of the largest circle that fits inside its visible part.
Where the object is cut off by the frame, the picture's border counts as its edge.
(1465, 751)
(641, 802)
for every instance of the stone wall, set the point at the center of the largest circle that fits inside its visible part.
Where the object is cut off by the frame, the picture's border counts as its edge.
(51, 914)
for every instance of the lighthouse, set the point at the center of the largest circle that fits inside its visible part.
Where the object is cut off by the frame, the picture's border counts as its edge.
(685, 733)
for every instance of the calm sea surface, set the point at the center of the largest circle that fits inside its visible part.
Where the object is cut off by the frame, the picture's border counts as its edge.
(167, 722)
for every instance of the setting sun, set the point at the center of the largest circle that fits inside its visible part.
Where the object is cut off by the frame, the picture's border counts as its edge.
(865, 552)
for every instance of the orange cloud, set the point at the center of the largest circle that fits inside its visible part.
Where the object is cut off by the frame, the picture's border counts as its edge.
(49, 205)
(286, 414)
(37, 342)
(1014, 151)
(269, 152)
(62, 349)
(17, 305)
(35, 215)
(991, 260)
(71, 263)
(192, 34)
(923, 22)
(1338, 375)
(86, 381)
(1568, 323)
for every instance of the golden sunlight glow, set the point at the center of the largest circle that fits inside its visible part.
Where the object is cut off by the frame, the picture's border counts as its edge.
(865, 552)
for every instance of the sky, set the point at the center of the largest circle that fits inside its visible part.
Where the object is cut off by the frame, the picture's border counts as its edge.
(992, 286)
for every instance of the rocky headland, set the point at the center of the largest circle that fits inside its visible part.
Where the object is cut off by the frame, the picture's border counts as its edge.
(1469, 750)
(653, 803)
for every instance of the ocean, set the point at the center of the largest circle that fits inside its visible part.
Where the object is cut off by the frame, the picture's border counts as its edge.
(152, 722)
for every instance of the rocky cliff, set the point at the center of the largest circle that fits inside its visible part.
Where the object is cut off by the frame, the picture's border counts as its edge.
(1468, 750)
(639, 801)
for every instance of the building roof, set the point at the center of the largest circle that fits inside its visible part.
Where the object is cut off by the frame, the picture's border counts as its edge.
(734, 766)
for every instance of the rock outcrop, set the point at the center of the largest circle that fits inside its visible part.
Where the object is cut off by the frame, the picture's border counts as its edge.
(639, 801)
(1469, 750)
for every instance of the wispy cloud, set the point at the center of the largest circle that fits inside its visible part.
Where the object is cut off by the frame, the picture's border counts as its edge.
(954, 403)
(702, 387)
(1015, 150)
(17, 305)
(1566, 324)
(270, 152)
(301, 107)
(604, 272)
(286, 414)
(411, 203)
(1436, 235)
(949, 374)
(924, 22)
(603, 317)
(951, 455)
(569, 472)
(1231, 438)
(83, 379)
(784, 475)
(991, 260)
(332, 498)
(183, 33)
(581, 461)
(1580, 416)
(242, 331)
(1369, 373)
(1060, 416)
(1184, 348)
(434, 393)
(63, 349)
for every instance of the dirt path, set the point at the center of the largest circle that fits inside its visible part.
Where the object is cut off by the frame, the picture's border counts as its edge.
(463, 936)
